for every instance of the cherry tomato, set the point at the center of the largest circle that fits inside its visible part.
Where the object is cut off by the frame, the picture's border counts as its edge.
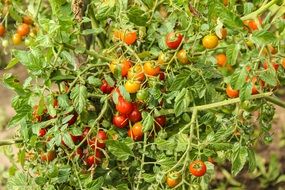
(161, 75)
(120, 121)
(283, 63)
(132, 86)
(124, 66)
(150, 68)
(117, 34)
(123, 106)
(17, 39)
(254, 89)
(173, 40)
(210, 41)
(173, 179)
(226, 2)
(98, 140)
(105, 87)
(75, 139)
(49, 156)
(136, 72)
(2, 30)
(197, 168)
(136, 132)
(129, 37)
(182, 56)
(142, 95)
(36, 116)
(84, 133)
(221, 59)
(162, 58)
(275, 66)
(224, 33)
(231, 92)
(23, 29)
(27, 20)
(73, 119)
(94, 159)
(135, 115)
(252, 24)
(160, 122)
(79, 152)
(42, 132)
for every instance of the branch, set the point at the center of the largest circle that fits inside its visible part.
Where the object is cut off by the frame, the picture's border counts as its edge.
(263, 8)
(276, 101)
(10, 142)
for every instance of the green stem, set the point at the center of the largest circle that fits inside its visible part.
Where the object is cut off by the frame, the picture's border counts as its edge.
(38, 9)
(10, 142)
(214, 105)
(254, 14)
(276, 101)
(142, 163)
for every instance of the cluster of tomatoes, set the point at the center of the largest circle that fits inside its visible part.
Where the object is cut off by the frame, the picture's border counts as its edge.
(89, 147)
(23, 30)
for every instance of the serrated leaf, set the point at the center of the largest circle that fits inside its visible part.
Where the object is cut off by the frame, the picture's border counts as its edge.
(147, 121)
(94, 81)
(109, 80)
(238, 158)
(96, 184)
(245, 91)
(263, 37)
(68, 140)
(124, 93)
(180, 81)
(12, 63)
(13, 83)
(251, 160)
(238, 79)
(92, 31)
(269, 77)
(137, 16)
(181, 102)
(232, 53)
(119, 149)
(79, 97)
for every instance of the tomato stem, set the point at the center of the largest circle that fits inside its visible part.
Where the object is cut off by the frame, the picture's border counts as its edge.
(10, 142)
(263, 8)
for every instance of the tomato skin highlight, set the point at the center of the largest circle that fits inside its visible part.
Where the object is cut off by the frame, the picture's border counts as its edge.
(17, 39)
(23, 29)
(2, 30)
(182, 56)
(123, 106)
(221, 59)
(231, 92)
(120, 121)
(151, 68)
(173, 40)
(210, 41)
(197, 168)
(136, 132)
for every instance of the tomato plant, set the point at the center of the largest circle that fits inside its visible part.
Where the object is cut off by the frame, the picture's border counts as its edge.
(111, 101)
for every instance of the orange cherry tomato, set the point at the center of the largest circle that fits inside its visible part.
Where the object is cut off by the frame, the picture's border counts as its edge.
(252, 24)
(129, 37)
(173, 179)
(182, 56)
(150, 68)
(231, 92)
(124, 65)
(275, 66)
(136, 72)
(224, 33)
(17, 39)
(136, 132)
(2, 30)
(23, 29)
(221, 59)
(117, 34)
(210, 41)
(27, 20)
(162, 58)
(49, 156)
(132, 86)
(283, 63)
(226, 2)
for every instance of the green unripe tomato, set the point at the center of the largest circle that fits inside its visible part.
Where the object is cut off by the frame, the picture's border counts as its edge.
(142, 95)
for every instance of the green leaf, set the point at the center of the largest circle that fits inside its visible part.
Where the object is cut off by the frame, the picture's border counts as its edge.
(238, 158)
(245, 91)
(232, 53)
(61, 77)
(13, 83)
(148, 3)
(109, 80)
(19, 181)
(105, 10)
(12, 63)
(182, 142)
(96, 184)
(147, 121)
(32, 60)
(148, 177)
(94, 81)
(238, 79)
(68, 140)
(137, 16)
(180, 81)
(181, 102)
(63, 101)
(263, 37)
(119, 149)
(79, 97)
(93, 31)
(269, 76)
(124, 93)
(251, 159)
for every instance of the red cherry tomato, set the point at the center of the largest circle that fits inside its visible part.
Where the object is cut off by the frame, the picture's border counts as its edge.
(106, 88)
(49, 156)
(84, 133)
(120, 121)
(123, 106)
(73, 119)
(42, 132)
(2, 30)
(161, 76)
(265, 66)
(135, 115)
(94, 159)
(79, 152)
(99, 140)
(173, 40)
(160, 122)
(197, 168)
